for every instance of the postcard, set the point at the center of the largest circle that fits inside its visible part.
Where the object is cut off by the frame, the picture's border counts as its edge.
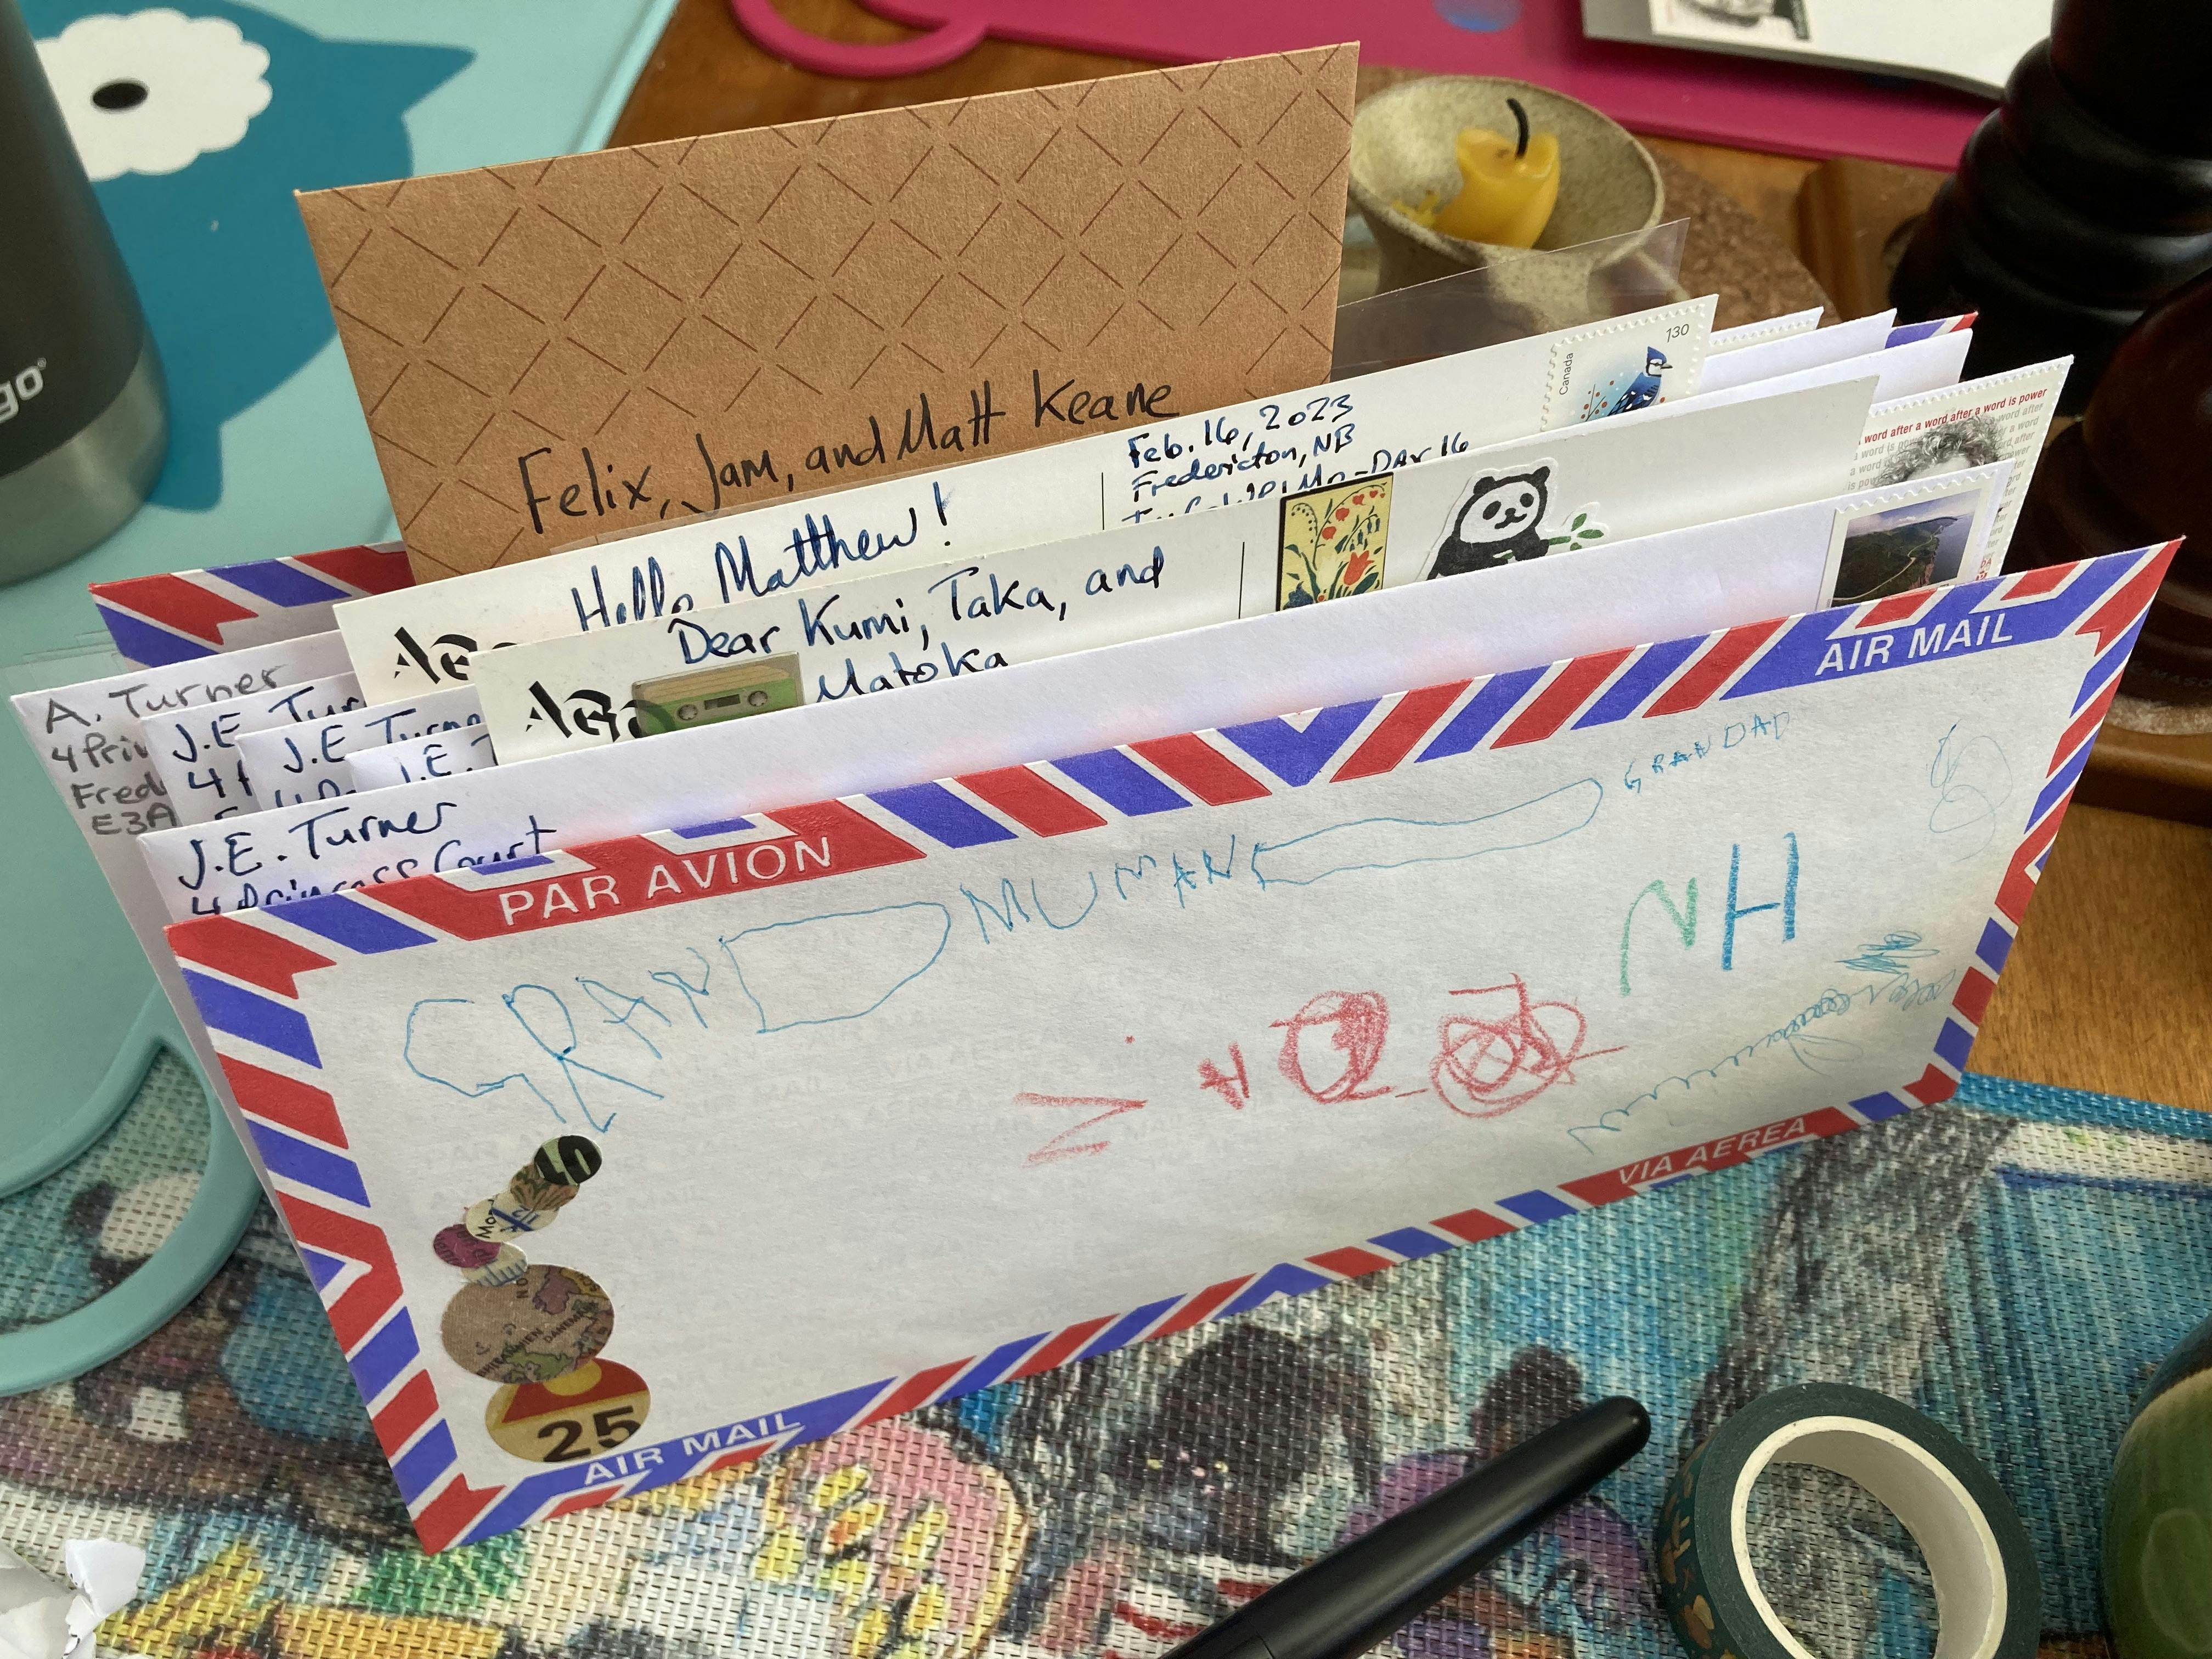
(639, 334)
(177, 615)
(1997, 417)
(405, 645)
(1199, 1018)
(307, 760)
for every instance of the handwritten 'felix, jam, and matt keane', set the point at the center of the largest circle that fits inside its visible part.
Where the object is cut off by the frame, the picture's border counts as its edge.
(586, 486)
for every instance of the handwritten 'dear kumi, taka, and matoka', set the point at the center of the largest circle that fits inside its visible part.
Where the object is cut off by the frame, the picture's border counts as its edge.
(1420, 969)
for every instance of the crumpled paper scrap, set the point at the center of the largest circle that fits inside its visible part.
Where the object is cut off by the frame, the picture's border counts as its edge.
(40, 1619)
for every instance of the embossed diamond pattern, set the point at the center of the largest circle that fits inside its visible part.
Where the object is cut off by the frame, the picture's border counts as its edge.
(773, 287)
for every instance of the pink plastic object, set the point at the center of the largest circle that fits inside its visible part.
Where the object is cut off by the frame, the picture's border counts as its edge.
(1667, 91)
(946, 40)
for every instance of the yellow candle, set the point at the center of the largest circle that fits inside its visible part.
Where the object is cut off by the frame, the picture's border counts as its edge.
(1507, 186)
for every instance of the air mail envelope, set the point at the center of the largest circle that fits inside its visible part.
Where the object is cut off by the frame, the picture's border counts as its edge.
(425, 759)
(1178, 463)
(1158, 1031)
(177, 615)
(898, 630)
(1609, 596)
(196, 753)
(692, 325)
(307, 762)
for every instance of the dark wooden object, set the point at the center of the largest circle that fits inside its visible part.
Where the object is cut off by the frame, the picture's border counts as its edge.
(1853, 219)
(2139, 469)
(2084, 198)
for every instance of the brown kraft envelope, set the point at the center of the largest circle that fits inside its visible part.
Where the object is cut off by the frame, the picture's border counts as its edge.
(555, 350)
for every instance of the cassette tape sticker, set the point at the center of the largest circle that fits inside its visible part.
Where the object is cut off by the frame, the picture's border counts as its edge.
(677, 703)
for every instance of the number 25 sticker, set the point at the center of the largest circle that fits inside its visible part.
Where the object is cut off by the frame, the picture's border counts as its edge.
(580, 1413)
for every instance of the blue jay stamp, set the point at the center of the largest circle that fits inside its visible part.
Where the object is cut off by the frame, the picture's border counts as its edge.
(1619, 373)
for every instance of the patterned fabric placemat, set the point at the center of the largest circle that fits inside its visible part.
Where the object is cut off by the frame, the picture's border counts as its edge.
(2013, 1263)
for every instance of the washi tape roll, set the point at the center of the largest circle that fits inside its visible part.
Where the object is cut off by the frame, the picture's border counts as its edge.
(1989, 1594)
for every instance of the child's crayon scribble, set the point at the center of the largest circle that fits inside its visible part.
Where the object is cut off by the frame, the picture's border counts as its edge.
(1355, 1024)
(1496, 1058)
(1494, 1053)
(1063, 1144)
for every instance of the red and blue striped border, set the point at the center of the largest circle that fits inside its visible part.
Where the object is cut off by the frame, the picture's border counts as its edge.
(176, 616)
(243, 972)
(1907, 333)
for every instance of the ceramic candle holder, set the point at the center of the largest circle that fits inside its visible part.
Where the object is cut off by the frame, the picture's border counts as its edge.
(1402, 151)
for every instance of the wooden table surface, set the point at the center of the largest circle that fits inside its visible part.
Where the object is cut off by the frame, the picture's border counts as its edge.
(2110, 985)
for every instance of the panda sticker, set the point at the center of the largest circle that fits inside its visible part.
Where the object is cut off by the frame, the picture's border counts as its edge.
(1500, 520)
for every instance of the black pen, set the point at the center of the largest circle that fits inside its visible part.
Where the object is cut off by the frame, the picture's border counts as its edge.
(1359, 1595)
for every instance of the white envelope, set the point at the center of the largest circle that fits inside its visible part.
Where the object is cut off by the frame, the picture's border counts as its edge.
(88, 738)
(1927, 363)
(1557, 492)
(1780, 350)
(195, 751)
(1607, 597)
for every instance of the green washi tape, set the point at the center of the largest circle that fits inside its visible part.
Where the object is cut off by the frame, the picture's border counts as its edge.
(1988, 1595)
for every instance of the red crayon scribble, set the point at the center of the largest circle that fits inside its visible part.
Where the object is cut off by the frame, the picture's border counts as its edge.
(1496, 1064)
(1053, 1150)
(1357, 1023)
(1233, 1086)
